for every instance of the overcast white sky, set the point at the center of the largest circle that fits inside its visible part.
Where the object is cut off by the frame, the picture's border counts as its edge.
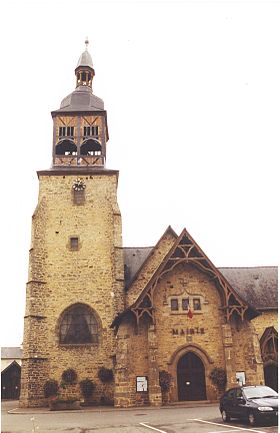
(192, 94)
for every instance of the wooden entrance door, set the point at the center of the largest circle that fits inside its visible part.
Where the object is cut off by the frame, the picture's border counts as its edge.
(191, 378)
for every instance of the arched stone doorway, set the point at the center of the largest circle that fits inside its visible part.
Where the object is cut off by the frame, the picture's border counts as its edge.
(191, 378)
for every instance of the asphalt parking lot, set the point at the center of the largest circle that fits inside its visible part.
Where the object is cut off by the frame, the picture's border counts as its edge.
(202, 419)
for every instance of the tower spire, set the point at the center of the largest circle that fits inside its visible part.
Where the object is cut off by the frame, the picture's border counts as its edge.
(84, 70)
(81, 134)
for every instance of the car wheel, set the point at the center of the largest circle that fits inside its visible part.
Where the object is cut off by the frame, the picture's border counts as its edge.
(251, 419)
(225, 416)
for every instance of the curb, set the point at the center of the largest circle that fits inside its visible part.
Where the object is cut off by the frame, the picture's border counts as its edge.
(31, 411)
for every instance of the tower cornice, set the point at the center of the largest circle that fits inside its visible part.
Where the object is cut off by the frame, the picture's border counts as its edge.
(89, 112)
(81, 171)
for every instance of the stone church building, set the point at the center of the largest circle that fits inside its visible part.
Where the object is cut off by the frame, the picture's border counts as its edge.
(142, 313)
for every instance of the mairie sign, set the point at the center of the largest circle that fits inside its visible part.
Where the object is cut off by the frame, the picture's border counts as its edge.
(188, 331)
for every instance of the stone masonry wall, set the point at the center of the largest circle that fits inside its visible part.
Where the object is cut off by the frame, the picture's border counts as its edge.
(177, 333)
(232, 346)
(265, 320)
(132, 361)
(247, 352)
(60, 277)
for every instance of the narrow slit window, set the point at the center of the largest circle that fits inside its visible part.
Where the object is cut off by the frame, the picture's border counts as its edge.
(185, 304)
(90, 131)
(62, 131)
(174, 305)
(79, 197)
(66, 131)
(74, 243)
(196, 304)
(70, 131)
(94, 130)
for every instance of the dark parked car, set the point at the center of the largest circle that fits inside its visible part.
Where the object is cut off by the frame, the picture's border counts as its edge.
(252, 403)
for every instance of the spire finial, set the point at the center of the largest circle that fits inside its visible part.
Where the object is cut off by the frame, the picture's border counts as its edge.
(86, 42)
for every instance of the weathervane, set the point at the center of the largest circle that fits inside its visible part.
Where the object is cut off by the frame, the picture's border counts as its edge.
(86, 42)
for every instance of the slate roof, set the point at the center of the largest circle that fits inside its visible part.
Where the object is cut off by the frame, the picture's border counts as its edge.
(256, 285)
(82, 99)
(11, 353)
(85, 60)
(133, 260)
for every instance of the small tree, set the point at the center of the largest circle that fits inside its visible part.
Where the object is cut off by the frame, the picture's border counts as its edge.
(87, 387)
(219, 378)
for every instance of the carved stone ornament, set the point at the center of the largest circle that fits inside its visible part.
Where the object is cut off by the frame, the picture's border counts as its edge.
(78, 185)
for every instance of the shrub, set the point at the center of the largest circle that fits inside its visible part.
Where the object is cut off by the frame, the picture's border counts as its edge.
(51, 388)
(219, 378)
(105, 374)
(69, 376)
(164, 380)
(87, 387)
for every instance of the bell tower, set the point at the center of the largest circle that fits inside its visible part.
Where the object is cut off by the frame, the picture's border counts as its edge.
(80, 130)
(75, 282)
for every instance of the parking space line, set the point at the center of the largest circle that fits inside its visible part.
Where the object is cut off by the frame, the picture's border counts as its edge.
(153, 428)
(229, 426)
(222, 431)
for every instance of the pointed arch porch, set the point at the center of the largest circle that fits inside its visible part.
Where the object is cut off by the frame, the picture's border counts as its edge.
(178, 355)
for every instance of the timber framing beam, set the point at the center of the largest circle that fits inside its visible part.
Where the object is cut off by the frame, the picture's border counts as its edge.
(186, 251)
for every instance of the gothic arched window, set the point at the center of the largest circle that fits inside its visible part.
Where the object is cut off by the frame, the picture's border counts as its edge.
(78, 325)
(269, 344)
